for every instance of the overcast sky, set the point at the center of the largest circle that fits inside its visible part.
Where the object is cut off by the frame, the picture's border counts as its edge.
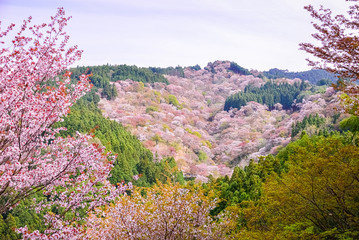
(256, 34)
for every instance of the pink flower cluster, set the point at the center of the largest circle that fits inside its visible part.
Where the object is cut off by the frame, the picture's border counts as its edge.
(32, 158)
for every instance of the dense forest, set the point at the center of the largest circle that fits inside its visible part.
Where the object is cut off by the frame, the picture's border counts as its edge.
(269, 94)
(313, 76)
(101, 76)
(177, 71)
(295, 194)
(234, 67)
(320, 125)
(112, 73)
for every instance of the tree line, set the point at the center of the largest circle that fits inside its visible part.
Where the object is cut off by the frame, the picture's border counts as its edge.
(102, 76)
(269, 94)
(313, 76)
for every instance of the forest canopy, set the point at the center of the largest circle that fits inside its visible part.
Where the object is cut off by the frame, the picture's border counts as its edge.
(269, 94)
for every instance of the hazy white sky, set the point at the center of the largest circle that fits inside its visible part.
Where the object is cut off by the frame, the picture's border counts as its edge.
(257, 34)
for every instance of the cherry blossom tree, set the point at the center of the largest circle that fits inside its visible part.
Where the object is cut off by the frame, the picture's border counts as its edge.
(32, 158)
(338, 48)
(166, 211)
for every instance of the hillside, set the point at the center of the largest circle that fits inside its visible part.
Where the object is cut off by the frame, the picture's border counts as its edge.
(314, 76)
(186, 119)
(223, 152)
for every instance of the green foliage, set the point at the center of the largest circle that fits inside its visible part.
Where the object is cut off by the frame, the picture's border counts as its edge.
(22, 215)
(157, 93)
(244, 185)
(234, 67)
(92, 96)
(206, 143)
(100, 77)
(195, 67)
(150, 109)
(324, 82)
(269, 94)
(196, 134)
(315, 76)
(109, 91)
(177, 71)
(132, 157)
(103, 75)
(350, 124)
(173, 100)
(273, 198)
(145, 75)
(320, 190)
(169, 171)
(202, 156)
(165, 127)
(157, 138)
(9, 226)
(311, 120)
(291, 150)
(310, 190)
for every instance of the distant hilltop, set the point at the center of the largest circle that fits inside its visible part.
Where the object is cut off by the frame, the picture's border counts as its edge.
(154, 74)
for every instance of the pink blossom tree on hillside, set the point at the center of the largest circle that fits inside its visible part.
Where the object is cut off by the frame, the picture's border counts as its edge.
(32, 158)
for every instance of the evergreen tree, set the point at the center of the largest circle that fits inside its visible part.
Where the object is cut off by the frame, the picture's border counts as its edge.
(269, 94)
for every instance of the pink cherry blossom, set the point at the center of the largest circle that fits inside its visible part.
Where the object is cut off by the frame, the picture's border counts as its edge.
(32, 159)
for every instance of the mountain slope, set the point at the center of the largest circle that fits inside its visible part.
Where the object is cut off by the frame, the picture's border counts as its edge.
(185, 119)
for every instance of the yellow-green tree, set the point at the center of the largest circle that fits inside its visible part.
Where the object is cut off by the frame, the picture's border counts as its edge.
(317, 198)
